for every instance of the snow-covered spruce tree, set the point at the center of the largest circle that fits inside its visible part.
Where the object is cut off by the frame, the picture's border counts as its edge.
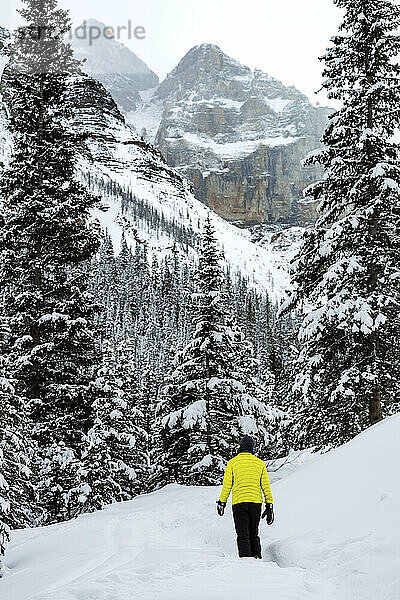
(45, 239)
(114, 461)
(151, 381)
(261, 416)
(347, 272)
(16, 448)
(104, 284)
(134, 434)
(4, 511)
(58, 487)
(204, 398)
(15, 452)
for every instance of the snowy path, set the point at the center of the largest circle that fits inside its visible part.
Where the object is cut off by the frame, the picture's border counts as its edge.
(168, 545)
(336, 537)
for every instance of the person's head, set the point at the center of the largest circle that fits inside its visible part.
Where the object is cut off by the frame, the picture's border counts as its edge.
(247, 444)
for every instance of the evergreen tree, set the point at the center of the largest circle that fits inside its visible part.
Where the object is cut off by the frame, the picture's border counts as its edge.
(4, 511)
(149, 388)
(16, 449)
(45, 240)
(150, 317)
(114, 461)
(135, 433)
(347, 272)
(206, 394)
(58, 487)
(261, 417)
(104, 282)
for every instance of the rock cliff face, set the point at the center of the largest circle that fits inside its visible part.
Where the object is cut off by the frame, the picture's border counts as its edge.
(238, 135)
(111, 144)
(122, 73)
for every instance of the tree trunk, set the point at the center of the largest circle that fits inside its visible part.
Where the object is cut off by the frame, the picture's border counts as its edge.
(375, 407)
(208, 377)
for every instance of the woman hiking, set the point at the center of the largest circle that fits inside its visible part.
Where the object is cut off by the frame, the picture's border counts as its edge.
(246, 475)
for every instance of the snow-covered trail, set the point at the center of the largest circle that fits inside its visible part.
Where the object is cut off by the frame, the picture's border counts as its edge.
(336, 537)
(167, 545)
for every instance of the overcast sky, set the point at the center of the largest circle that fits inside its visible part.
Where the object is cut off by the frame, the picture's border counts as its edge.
(282, 37)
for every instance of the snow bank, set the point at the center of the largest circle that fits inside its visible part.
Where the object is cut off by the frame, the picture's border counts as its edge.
(340, 516)
(336, 537)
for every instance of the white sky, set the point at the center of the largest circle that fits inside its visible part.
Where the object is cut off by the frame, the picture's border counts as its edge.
(282, 37)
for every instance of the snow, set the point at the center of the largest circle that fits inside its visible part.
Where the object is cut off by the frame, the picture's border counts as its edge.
(5, 137)
(392, 185)
(266, 269)
(226, 102)
(340, 516)
(379, 170)
(278, 105)
(148, 116)
(336, 537)
(117, 156)
(110, 219)
(238, 149)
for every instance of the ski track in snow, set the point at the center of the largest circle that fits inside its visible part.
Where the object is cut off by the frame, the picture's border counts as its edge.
(336, 537)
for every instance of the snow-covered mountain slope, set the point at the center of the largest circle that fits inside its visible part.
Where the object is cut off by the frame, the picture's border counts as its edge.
(141, 178)
(238, 135)
(336, 537)
(108, 60)
(340, 516)
(149, 199)
(284, 241)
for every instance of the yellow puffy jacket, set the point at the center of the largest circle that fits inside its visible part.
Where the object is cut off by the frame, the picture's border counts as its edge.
(247, 475)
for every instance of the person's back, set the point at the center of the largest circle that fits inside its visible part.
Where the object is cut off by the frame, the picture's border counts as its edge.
(247, 477)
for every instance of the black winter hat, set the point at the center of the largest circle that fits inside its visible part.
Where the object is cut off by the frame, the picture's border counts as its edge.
(247, 444)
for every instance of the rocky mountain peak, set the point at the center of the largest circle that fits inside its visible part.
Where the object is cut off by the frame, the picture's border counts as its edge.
(112, 63)
(206, 70)
(211, 56)
(238, 135)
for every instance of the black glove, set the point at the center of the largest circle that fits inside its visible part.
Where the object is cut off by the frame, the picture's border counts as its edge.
(269, 513)
(221, 508)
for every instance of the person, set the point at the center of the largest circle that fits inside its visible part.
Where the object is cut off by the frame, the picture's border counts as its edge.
(246, 475)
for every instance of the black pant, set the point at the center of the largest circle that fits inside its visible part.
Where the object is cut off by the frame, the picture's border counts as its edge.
(247, 519)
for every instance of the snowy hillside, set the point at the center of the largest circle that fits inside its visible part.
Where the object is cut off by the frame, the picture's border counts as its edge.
(336, 537)
(116, 155)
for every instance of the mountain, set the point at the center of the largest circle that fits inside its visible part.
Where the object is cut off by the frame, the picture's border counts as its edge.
(239, 136)
(144, 185)
(113, 64)
(336, 536)
(146, 198)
